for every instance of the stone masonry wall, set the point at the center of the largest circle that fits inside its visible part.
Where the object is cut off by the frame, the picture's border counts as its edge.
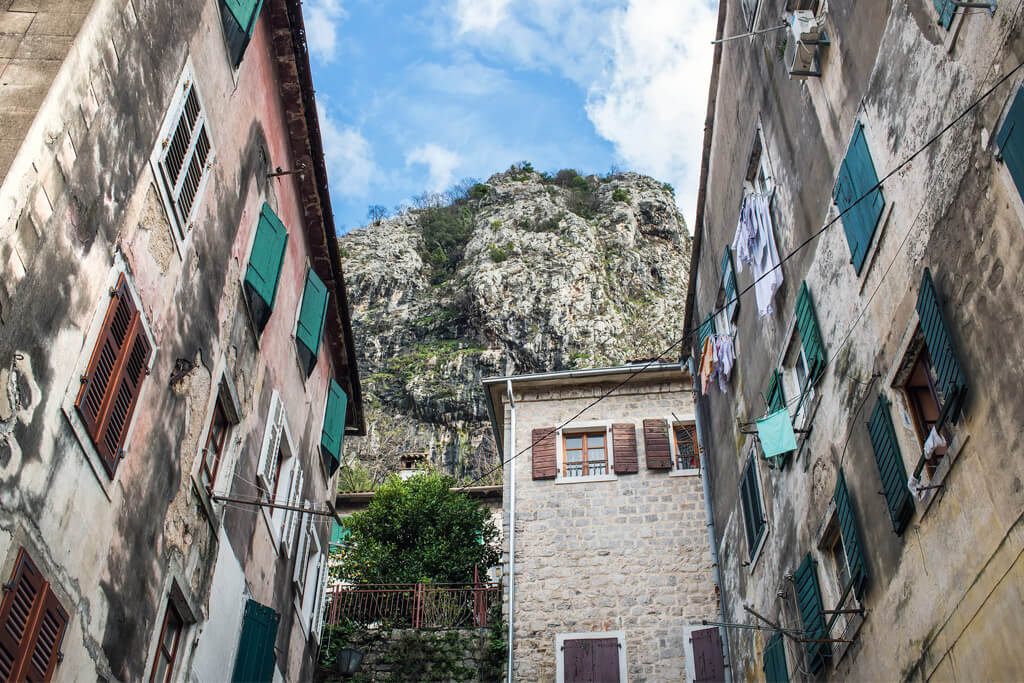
(629, 554)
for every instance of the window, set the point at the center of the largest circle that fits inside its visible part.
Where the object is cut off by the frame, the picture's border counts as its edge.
(114, 377)
(584, 657)
(585, 454)
(774, 660)
(184, 154)
(753, 511)
(279, 475)
(1010, 140)
(334, 427)
(749, 12)
(759, 178)
(32, 625)
(256, 657)
(264, 271)
(239, 19)
(890, 465)
(922, 394)
(705, 658)
(312, 314)
(857, 179)
(802, 363)
(728, 303)
(307, 544)
(706, 331)
(687, 448)
(812, 613)
(946, 9)
(167, 648)
(310, 577)
(216, 444)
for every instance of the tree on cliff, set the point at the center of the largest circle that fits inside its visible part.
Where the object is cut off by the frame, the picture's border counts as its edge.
(418, 530)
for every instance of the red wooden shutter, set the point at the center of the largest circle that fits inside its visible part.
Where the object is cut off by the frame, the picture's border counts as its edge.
(624, 448)
(118, 366)
(591, 660)
(544, 461)
(708, 662)
(32, 625)
(656, 443)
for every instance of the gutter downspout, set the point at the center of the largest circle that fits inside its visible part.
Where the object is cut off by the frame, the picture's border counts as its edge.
(512, 524)
(706, 484)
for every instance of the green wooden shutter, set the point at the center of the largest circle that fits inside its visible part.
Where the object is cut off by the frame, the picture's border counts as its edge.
(312, 313)
(857, 178)
(267, 256)
(774, 395)
(890, 465)
(707, 329)
(245, 12)
(254, 662)
(750, 498)
(339, 534)
(812, 617)
(334, 421)
(810, 334)
(774, 660)
(732, 303)
(952, 382)
(851, 537)
(945, 8)
(1010, 141)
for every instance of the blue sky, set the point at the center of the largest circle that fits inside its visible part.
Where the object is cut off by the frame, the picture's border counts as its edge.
(414, 96)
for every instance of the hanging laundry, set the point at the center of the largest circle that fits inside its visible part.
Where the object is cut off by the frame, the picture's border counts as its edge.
(754, 244)
(914, 484)
(934, 445)
(726, 357)
(776, 434)
(707, 364)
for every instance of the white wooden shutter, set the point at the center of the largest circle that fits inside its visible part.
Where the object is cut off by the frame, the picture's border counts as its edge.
(285, 498)
(302, 556)
(187, 156)
(318, 614)
(292, 516)
(272, 443)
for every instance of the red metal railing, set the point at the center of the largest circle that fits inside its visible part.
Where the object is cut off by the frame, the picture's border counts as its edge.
(420, 605)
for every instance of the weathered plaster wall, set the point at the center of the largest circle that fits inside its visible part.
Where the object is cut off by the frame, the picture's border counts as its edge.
(936, 594)
(629, 554)
(79, 197)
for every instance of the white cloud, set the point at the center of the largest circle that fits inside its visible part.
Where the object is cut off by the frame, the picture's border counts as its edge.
(464, 77)
(321, 18)
(440, 162)
(350, 165)
(480, 15)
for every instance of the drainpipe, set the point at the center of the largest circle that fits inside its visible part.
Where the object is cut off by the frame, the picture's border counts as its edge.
(511, 523)
(706, 483)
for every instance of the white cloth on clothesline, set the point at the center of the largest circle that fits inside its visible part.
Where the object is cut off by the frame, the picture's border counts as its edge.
(754, 245)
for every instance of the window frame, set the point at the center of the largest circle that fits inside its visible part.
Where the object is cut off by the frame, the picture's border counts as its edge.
(754, 548)
(584, 449)
(277, 434)
(698, 453)
(161, 651)
(579, 428)
(759, 177)
(44, 597)
(560, 639)
(827, 540)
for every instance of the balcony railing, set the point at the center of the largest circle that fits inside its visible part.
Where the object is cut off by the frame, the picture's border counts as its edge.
(420, 605)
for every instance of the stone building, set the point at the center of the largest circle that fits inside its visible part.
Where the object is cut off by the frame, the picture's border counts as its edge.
(173, 333)
(609, 573)
(887, 540)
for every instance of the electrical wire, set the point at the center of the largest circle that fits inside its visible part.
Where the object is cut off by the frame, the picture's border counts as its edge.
(689, 333)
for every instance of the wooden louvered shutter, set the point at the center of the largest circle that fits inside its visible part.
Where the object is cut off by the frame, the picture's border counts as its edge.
(708, 660)
(624, 448)
(810, 335)
(32, 625)
(334, 424)
(312, 314)
(267, 257)
(707, 329)
(945, 8)
(1010, 140)
(45, 648)
(857, 177)
(732, 302)
(245, 12)
(952, 383)
(750, 500)
(774, 660)
(656, 444)
(187, 152)
(120, 362)
(890, 465)
(774, 394)
(852, 544)
(254, 662)
(812, 616)
(543, 453)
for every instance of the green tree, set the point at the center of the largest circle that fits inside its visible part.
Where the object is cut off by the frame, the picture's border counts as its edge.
(419, 530)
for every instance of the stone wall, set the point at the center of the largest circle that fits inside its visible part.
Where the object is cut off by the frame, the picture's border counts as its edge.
(626, 554)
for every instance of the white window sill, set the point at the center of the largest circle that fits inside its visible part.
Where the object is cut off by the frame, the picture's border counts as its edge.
(586, 480)
(685, 473)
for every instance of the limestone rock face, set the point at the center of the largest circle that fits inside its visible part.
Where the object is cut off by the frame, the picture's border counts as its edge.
(548, 274)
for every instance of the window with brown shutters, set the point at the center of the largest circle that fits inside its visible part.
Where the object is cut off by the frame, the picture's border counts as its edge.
(543, 453)
(656, 444)
(114, 377)
(32, 625)
(624, 459)
(586, 454)
(687, 455)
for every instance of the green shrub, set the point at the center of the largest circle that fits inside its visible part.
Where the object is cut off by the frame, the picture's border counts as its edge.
(565, 177)
(499, 253)
(479, 191)
(668, 188)
(550, 224)
(355, 477)
(446, 230)
(620, 195)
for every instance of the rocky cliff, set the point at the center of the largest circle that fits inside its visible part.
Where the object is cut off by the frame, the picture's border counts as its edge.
(524, 273)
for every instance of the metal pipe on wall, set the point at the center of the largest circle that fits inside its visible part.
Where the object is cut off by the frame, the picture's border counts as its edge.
(511, 523)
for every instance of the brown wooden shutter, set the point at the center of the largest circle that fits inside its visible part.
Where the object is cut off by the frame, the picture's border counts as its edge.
(544, 461)
(656, 443)
(116, 370)
(624, 448)
(32, 625)
(708, 662)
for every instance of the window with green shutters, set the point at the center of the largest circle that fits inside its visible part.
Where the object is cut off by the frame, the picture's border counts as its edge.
(334, 426)
(812, 615)
(944, 360)
(707, 330)
(1010, 141)
(312, 314)
(857, 179)
(255, 660)
(239, 19)
(264, 271)
(890, 465)
(810, 335)
(753, 512)
(774, 395)
(852, 544)
(731, 301)
(774, 660)
(945, 8)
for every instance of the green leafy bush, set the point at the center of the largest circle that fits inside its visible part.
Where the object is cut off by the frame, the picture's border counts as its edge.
(446, 230)
(499, 253)
(355, 477)
(620, 195)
